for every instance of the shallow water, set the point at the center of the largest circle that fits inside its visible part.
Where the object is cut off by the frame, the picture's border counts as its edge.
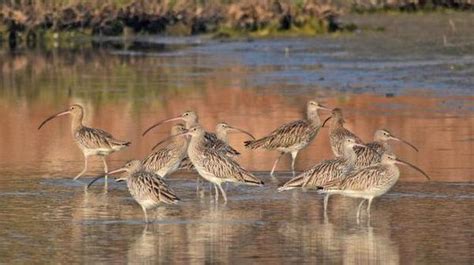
(409, 81)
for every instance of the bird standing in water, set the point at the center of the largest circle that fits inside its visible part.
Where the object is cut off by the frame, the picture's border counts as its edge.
(147, 188)
(326, 171)
(369, 182)
(293, 136)
(91, 141)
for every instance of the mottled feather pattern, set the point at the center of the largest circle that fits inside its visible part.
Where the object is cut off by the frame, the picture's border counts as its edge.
(286, 136)
(165, 157)
(93, 138)
(148, 186)
(372, 177)
(186, 164)
(223, 167)
(217, 144)
(369, 155)
(320, 174)
(337, 137)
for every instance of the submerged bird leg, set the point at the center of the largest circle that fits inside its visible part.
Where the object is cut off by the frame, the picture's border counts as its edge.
(275, 164)
(359, 208)
(84, 170)
(326, 199)
(217, 193)
(368, 207)
(293, 158)
(106, 169)
(223, 193)
(146, 216)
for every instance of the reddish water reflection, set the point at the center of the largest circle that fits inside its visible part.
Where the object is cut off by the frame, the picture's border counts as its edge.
(443, 136)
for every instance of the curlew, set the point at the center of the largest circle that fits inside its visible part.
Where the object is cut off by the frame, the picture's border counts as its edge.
(372, 153)
(337, 132)
(213, 165)
(147, 188)
(326, 171)
(369, 182)
(291, 137)
(167, 159)
(91, 141)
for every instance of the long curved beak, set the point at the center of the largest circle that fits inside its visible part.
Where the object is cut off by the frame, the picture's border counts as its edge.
(414, 167)
(54, 116)
(243, 131)
(161, 122)
(169, 138)
(326, 120)
(324, 107)
(403, 141)
(122, 169)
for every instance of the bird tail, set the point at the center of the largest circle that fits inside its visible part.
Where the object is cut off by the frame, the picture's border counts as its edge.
(120, 143)
(250, 179)
(168, 196)
(254, 144)
(296, 182)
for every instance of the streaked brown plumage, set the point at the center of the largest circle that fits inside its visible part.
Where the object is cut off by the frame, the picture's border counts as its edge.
(338, 133)
(372, 153)
(326, 171)
(167, 159)
(369, 182)
(147, 188)
(293, 136)
(91, 141)
(214, 166)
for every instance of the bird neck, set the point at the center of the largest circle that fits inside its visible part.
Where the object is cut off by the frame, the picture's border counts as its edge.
(76, 122)
(222, 135)
(313, 117)
(336, 123)
(196, 142)
(350, 155)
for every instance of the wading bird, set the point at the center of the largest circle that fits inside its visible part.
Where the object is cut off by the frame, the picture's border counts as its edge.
(214, 166)
(326, 171)
(337, 132)
(91, 141)
(372, 153)
(168, 159)
(291, 137)
(369, 182)
(147, 188)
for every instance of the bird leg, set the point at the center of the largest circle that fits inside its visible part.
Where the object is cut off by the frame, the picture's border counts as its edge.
(217, 193)
(293, 158)
(146, 216)
(223, 193)
(84, 170)
(106, 169)
(326, 199)
(368, 207)
(360, 207)
(275, 163)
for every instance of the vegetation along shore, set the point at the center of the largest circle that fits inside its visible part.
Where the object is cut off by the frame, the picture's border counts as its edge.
(30, 22)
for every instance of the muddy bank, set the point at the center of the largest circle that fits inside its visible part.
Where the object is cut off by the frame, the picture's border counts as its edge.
(31, 22)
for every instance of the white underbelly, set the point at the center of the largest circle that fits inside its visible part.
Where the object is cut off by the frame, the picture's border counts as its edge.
(97, 151)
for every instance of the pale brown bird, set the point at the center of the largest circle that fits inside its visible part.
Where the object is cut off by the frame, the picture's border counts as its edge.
(91, 141)
(291, 137)
(337, 132)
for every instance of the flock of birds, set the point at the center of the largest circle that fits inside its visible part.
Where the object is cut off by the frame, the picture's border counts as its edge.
(358, 170)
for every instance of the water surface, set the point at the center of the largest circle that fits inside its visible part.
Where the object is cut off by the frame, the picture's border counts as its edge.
(408, 79)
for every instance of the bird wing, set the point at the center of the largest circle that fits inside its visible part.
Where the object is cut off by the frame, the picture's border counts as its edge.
(217, 144)
(366, 178)
(223, 167)
(150, 186)
(96, 138)
(158, 159)
(289, 134)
